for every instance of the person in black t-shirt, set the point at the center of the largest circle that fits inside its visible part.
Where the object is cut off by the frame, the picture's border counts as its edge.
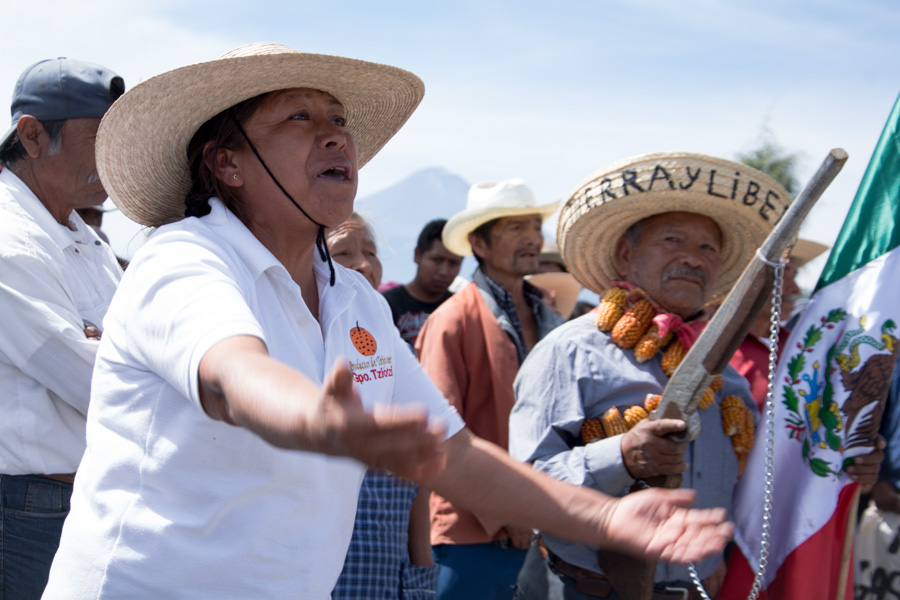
(437, 268)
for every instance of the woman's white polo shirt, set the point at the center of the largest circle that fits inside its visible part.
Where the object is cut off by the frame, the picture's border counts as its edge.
(171, 503)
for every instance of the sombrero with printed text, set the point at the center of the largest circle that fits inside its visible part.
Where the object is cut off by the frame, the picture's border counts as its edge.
(745, 203)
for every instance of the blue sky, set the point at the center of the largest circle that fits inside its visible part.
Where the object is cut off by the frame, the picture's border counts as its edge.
(523, 89)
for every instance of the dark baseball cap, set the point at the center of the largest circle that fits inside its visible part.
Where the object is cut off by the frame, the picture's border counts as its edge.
(62, 88)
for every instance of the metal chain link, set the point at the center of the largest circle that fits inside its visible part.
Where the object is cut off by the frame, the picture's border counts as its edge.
(697, 583)
(774, 329)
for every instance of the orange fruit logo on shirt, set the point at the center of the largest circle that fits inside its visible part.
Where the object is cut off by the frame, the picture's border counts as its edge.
(363, 340)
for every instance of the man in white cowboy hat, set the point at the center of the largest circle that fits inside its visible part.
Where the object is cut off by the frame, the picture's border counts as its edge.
(58, 279)
(668, 233)
(472, 347)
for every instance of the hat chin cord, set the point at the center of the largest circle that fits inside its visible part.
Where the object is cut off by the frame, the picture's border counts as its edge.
(320, 236)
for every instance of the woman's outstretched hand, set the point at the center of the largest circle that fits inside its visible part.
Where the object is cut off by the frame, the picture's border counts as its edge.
(660, 524)
(242, 385)
(396, 439)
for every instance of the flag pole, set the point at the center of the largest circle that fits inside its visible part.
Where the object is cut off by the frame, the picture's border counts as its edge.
(847, 553)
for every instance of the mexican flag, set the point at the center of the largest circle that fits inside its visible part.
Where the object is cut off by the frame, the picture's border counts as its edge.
(830, 388)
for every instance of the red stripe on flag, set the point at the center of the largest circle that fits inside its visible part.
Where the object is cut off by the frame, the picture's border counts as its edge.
(812, 570)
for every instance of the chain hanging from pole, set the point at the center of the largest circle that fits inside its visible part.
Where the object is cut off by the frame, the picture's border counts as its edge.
(769, 412)
(774, 329)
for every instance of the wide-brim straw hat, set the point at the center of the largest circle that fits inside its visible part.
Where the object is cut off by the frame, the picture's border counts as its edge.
(143, 139)
(564, 285)
(486, 202)
(745, 203)
(806, 250)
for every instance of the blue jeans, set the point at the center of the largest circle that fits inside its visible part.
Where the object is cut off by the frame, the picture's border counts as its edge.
(482, 571)
(32, 512)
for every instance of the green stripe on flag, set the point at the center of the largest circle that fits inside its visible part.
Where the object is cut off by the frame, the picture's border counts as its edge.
(871, 227)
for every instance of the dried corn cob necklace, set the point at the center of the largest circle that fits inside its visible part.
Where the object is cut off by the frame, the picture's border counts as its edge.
(635, 322)
(611, 311)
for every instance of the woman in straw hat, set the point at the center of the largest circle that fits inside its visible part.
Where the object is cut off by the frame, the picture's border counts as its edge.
(244, 382)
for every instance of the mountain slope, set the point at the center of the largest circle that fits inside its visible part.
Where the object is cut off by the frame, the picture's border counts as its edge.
(398, 213)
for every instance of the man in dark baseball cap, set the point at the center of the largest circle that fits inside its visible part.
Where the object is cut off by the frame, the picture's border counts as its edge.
(61, 89)
(58, 278)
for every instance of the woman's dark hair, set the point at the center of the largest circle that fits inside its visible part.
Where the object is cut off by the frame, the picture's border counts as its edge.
(223, 133)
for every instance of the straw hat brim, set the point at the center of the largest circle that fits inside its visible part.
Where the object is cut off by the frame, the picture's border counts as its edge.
(459, 226)
(590, 226)
(142, 141)
(550, 254)
(565, 285)
(806, 250)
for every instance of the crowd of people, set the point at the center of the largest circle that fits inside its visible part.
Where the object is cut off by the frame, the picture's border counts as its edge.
(239, 412)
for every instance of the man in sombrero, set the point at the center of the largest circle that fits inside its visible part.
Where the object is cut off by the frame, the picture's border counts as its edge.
(658, 237)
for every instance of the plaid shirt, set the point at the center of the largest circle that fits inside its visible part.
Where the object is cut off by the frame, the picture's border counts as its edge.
(377, 566)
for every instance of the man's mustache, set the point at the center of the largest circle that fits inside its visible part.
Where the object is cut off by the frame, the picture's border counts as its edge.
(685, 270)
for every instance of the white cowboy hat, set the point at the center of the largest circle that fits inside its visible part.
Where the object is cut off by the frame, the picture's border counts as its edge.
(143, 139)
(489, 201)
(745, 203)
